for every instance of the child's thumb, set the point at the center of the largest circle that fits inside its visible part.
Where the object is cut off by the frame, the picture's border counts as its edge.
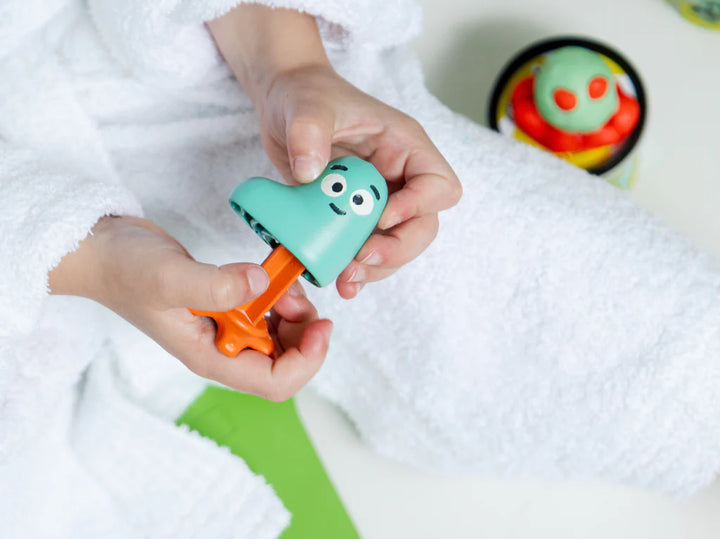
(210, 288)
(309, 135)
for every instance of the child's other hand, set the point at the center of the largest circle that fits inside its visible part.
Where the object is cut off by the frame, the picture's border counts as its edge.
(310, 114)
(133, 267)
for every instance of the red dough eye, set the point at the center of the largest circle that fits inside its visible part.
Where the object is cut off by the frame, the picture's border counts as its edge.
(565, 99)
(597, 87)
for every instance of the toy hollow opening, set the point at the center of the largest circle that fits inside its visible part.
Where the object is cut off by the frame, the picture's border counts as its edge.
(266, 236)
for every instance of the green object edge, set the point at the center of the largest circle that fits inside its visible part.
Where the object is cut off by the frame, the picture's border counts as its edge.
(271, 439)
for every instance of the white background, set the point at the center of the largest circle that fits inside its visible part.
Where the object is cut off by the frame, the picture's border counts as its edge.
(464, 46)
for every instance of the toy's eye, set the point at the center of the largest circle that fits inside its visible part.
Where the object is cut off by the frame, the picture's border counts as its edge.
(565, 99)
(597, 87)
(333, 185)
(361, 202)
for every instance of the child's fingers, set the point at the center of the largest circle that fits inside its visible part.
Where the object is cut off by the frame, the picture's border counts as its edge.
(290, 316)
(309, 131)
(383, 254)
(427, 183)
(192, 340)
(273, 379)
(294, 306)
(348, 290)
(421, 195)
(183, 282)
(399, 245)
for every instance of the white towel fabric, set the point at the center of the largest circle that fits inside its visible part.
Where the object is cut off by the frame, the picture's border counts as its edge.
(552, 330)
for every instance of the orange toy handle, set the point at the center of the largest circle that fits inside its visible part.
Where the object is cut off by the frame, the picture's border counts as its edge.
(283, 269)
(245, 326)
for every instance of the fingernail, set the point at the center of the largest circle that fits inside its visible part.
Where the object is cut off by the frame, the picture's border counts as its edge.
(357, 276)
(372, 259)
(307, 168)
(296, 289)
(392, 221)
(258, 279)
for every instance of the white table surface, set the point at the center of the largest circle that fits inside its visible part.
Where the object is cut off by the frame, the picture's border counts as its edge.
(465, 44)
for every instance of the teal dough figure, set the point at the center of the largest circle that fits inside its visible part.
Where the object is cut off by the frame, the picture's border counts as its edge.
(567, 72)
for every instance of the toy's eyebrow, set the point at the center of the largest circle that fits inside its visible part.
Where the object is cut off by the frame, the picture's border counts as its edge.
(375, 191)
(338, 167)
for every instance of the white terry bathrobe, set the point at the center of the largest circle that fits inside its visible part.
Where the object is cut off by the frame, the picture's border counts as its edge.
(552, 330)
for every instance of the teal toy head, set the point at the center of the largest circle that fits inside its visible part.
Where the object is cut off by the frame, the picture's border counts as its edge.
(575, 90)
(323, 223)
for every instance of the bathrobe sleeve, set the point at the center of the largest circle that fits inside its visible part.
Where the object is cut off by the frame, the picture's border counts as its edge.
(56, 180)
(377, 23)
(167, 43)
(44, 213)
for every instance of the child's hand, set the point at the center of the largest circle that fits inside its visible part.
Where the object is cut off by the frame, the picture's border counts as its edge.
(136, 269)
(310, 115)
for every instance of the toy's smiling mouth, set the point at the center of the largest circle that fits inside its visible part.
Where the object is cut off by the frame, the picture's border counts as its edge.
(336, 209)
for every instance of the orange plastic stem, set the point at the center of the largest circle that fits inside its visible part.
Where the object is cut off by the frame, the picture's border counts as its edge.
(283, 269)
(245, 326)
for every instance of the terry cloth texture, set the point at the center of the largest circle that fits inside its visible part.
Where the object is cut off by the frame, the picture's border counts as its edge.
(554, 329)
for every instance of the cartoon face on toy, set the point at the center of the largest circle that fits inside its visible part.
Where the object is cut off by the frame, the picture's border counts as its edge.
(347, 188)
(575, 90)
(323, 223)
